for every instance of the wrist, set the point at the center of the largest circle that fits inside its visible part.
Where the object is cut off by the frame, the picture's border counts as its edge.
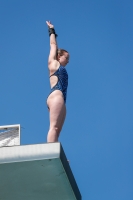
(52, 31)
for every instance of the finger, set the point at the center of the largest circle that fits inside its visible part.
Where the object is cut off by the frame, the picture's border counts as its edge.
(47, 23)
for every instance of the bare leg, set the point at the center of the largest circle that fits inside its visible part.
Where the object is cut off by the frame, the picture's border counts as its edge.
(57, 112)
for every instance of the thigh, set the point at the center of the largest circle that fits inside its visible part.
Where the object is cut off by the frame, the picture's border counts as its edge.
(57, 111)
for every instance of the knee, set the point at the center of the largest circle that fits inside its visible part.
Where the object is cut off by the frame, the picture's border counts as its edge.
(56, 129)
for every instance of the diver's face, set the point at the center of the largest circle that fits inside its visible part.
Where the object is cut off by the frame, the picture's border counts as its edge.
(64, 59)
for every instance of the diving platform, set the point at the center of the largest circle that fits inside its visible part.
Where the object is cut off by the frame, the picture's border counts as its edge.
(36, 172)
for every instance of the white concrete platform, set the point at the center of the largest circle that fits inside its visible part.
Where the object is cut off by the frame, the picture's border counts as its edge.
(36, 172)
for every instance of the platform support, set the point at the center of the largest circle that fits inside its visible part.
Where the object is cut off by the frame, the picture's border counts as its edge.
(36, 172)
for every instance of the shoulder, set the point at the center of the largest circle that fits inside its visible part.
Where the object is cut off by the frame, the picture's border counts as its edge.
(53, 66)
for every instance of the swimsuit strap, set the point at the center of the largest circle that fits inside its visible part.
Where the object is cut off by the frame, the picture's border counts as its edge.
(55, 72)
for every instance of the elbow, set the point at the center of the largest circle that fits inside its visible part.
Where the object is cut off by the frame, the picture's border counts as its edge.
(53, 44)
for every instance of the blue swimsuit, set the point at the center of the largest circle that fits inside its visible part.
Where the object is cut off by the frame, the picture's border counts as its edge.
(62, 83)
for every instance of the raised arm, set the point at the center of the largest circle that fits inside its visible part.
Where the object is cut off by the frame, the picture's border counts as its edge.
(53, 43)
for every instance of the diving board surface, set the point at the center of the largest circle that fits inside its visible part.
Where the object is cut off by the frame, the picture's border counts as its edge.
(36, 172)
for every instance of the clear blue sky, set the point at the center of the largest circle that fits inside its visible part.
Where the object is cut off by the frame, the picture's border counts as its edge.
(98, 132)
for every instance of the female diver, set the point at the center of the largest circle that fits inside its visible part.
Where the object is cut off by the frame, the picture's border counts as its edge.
(58, 59)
